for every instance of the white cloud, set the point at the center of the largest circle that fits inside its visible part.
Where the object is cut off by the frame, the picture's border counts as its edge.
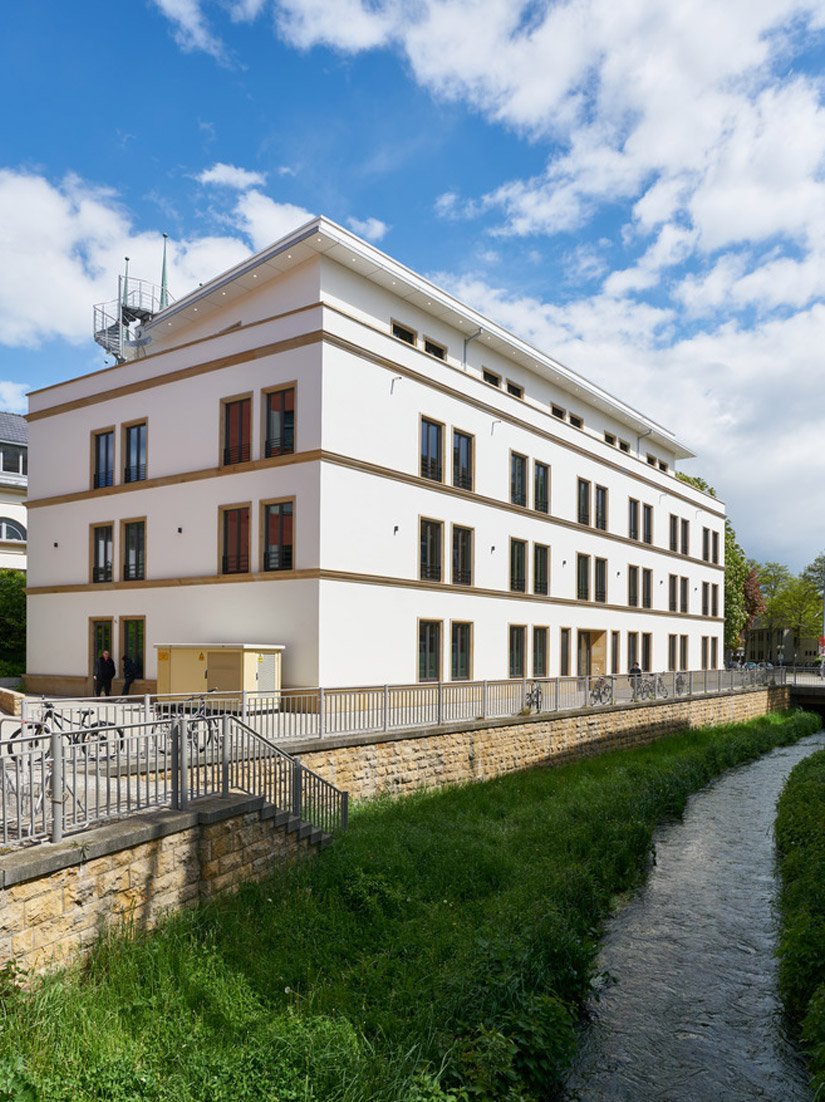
(191, 30)
(264, 221)
(373, 229)
(231, 176)
(13, 397)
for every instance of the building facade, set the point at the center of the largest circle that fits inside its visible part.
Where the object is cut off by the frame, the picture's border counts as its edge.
(13, 481)
(321, 449)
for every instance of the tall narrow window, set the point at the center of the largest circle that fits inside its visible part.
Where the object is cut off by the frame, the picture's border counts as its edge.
(672, 586)
(431, 450)
(462, 460)
(517, 649)
(632, 649)
(715, 546)
(601, 507)
(518, 479)
(584, 501)
(134, 453)
(583, 577)
(714, 653)
(706, 544)
(647, 524)
(280, 422)
(461, 635)
(683, 595)
(103, 459)
(633, 586)
(714, 600)
(600, 580)
(235, 556)
(683, 652)
(541, 487)
(705, 598)
(518, 566)
(647, 651)
(237, 424)
(134, 550)
(279, 522)
(102, 553)
(540, 572)
(431, 550)
(674, 532)
(633, 518)
(647, 588)
(685, 526)
(133, 642)
(614, 652)
(429, 650)
(462, 556)
(539, 652)
(671, 652)
(564, 652)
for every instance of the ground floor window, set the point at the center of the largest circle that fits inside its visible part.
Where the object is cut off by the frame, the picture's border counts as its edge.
(671, 652)
(133, 643)
(683, 652)
(517, 650)
(429, 650)
(539, 652)
(714, 653)
(632, 649)
(564, 653)
(460, 651)
(614, 652)
(647, 652)
(100, 640)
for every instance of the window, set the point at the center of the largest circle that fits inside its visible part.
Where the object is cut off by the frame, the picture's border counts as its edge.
(671, 652)
(683, 652)
(557, 411)
(134, 550)
(624, 446)
(11, 529)
(539, 652)
(647, 524)
(705, 598)
(403, 333)
(633, 586)
(102, 553)
(683, 595)
(278, 535)
(609, 438)
(517, 647)
(583, 577)
(632, 649)
(564, 652)
(429, 650)
(705, 650)
(518, 479)
(103, 460)
(647, 651)
(279, 427)
(430, 561)
(715, 547)
(134, 452)
(518, 566)
(541, 584)
(647, 588)
(614, 652)
(431, 450)
(714, 600)
(575, 421)
(601, 508)
(714, 653)
(490, 377)
(651, 459)
(672, 585)
(460, 643)
(432, 348)
(133, 642)
(706, 544)
(462, 556)
(235, 540)
(462, 460)
(685, 527)
(13, 458)
(237, 421)
(514, 389)
(584, 501)
(674, 533)
(541, 487)
(663, 466)
(600, 580)
(633, 518)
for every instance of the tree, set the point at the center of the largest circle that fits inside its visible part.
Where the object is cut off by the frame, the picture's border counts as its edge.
(815, 572)
(754, 601)
(798, 606)
(13, 619)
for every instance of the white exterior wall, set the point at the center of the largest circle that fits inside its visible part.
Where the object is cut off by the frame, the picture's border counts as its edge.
(13, 552)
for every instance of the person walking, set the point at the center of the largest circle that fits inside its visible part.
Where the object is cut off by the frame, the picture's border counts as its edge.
(129, 673)
(635, 679)
(104, 673)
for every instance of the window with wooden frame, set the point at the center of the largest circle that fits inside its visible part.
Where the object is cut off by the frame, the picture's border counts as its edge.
(601, 508)
(461, 638)
(541, 487)
(683, 652)
(705, 652)
(518, 479)
(237, 431)
(671, 652)
(600, 580)
(433, 348)
(278, 532)
(672, 590)
(540, 652)
(633, 586)
(583, 577)
(615, 655)
(583, 500)
(515, 389)
(491, 377)
(133, 641)
(632, 518)
(234, 532)
(462, 573)
(647, 524)
(647, 652)
(674, 532)
(715, 547)
(134, 451)
(714, 653)
(462, 460)
(103, 458)
(102, 536)
(517, 637)
(429, 650)
(714, 600)
(706, 544)
(683, 595)
(564, 652)
(432, 450)
(632, 649)
(518, 566)
(279, 421)
(685, 541)
(647, 588)
(541, 570)
(133, 549)
(430, 544)
(403, 333)
(705, 598)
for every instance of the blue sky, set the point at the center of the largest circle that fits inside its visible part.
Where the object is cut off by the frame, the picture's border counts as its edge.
(636, 187)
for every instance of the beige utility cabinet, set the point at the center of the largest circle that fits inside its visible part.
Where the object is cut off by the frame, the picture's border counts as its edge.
(219, 667)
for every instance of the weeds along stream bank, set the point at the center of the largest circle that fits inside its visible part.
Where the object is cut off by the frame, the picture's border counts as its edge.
(800, 843)
(442, 950)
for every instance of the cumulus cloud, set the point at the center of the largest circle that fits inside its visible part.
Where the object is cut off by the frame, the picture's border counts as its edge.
(191, 30)
(373, 229)
(231, 176)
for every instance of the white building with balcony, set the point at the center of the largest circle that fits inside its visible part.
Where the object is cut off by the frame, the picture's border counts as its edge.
(13, 480)
(322, 449)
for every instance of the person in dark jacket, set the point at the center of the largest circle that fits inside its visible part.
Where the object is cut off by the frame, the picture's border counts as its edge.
(104, 672)
(129, 673)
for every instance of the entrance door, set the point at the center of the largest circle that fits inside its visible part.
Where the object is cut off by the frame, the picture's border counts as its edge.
(585, 655)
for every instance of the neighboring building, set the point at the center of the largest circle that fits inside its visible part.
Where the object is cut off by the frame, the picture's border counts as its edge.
(780, 646)
(13, 479)
(321, 449)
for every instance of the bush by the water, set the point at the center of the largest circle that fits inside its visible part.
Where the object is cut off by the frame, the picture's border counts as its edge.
(442, 950)
(800, 843)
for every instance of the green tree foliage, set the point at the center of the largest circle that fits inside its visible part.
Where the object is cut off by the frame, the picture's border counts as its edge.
(798, 606)
(737, 614)
(815, 572)
(13, 618)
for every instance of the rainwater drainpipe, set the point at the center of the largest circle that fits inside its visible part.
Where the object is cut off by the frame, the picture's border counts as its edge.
(467, 340)
(639, 440)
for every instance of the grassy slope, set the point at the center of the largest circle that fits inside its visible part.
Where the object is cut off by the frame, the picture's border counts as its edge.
(800, 841)
(448, 939)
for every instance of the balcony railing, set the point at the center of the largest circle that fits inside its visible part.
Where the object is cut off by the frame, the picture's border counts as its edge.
(278, 558)
(235, 564)
(103, 478)
(280, 445)
(463, 479)
(431, 468)
(430, 572)
(102, 573)
(462, 576)
(133, 571)
(236, 454)
(135, 473)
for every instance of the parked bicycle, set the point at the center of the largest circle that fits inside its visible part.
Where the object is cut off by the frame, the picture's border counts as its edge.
(601, 691)
(96, 737)
(533, 698)
(202, 727)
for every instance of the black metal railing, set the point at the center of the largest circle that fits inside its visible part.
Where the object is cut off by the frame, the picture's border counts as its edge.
(431, 468)
(103, 478)
(237, 454)
(235, 564)
(462, 576)
(430, 572)
(133, 571)
(518, 585)
(135, 473)
(278, 558)
(280, 445)
(463, 480)
(102, 573)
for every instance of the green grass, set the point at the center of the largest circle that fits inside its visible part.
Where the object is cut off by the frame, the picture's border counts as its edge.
(800, 842)
(442, 950)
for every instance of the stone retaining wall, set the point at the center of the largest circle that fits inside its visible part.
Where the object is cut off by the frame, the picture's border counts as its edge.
(397, 763)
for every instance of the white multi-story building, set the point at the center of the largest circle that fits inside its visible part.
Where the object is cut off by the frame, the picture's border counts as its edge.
(13, 477)
(322, 449)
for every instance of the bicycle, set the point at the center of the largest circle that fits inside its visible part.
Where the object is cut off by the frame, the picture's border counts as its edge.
(91, 735)
(202, 727)
(533, 698)
(601, 691)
